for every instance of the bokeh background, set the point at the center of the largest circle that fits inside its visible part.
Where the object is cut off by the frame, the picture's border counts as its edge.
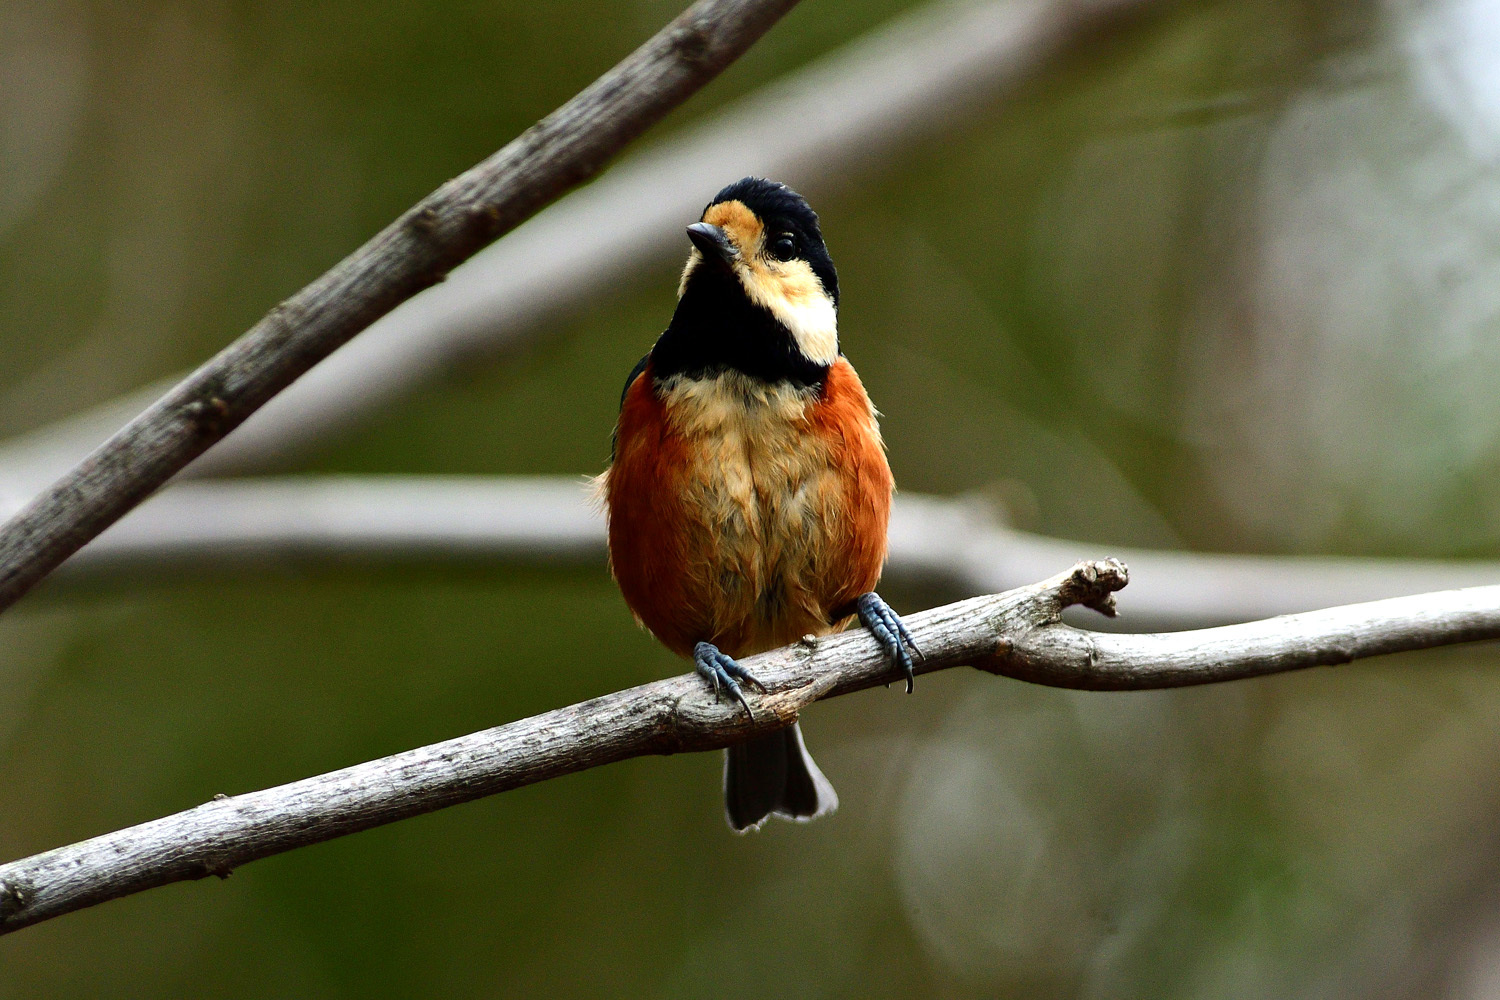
(1225, 278)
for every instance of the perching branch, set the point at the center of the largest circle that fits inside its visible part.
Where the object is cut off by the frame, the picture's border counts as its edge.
(956, 543)
(413, 253)
(1015, 634)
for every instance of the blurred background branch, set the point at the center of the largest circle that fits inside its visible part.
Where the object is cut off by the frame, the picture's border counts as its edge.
(1017, 634)
(960, 545)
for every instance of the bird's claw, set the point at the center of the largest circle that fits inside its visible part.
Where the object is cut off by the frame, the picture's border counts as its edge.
(724, 673)
(888, 629)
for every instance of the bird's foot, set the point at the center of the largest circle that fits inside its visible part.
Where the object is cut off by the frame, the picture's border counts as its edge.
(889, 631)
(724, 673)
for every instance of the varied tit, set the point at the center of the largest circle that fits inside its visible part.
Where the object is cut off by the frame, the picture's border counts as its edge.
(749, 494)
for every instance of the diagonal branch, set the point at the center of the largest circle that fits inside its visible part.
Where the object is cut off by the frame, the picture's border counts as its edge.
(413, 253)
(819, 127)
(1016, 634)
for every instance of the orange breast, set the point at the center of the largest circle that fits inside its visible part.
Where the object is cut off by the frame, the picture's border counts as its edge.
(743, 514)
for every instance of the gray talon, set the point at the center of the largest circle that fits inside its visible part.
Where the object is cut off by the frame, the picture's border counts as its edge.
(888, 629)
(721, 671)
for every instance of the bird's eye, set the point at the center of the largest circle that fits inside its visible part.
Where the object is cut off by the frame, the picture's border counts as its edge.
(783, 247)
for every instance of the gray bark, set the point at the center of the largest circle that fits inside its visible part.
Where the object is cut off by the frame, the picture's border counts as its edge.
(1016, 634)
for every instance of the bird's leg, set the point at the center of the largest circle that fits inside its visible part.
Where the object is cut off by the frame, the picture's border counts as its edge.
(721, 671)
(889, 631)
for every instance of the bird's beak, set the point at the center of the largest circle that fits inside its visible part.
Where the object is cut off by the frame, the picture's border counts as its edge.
(712, 242)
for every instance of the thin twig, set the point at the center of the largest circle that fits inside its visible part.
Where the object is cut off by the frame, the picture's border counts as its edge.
(1017, 634)
(958, 544)
(413, 253)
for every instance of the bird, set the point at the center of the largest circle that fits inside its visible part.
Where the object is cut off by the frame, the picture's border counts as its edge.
(748, 495)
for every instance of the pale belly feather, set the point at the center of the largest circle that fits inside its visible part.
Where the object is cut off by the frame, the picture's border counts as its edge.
(766, 498)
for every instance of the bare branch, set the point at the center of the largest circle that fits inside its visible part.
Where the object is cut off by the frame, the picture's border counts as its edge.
(954, 543)
(413, 253)
(1017, 634)
(817, 128)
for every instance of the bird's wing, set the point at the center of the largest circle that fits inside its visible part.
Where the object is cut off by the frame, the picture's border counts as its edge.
(635, 373)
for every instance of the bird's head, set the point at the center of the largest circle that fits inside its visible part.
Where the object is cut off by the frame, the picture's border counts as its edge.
(759, 293)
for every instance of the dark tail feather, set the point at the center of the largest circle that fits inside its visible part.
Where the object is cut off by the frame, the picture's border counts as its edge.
(774, 774)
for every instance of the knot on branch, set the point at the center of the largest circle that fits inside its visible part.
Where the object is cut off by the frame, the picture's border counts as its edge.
(14, 897)
(692, 43)
(208, 414)
(423, 221)
(485, 220)
(212, 865)
(1092, 584)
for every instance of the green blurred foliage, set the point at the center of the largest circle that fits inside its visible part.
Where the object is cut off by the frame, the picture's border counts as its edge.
(1026, 299)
